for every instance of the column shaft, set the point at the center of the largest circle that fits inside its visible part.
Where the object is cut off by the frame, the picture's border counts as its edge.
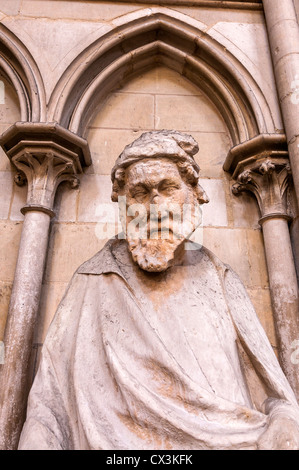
(268, 178)
(45, 155)
(20, 326)
(284, 292)
(283, 32)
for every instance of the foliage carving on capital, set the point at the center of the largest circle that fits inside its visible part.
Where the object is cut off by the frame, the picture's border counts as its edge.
(45, 155)
(268, 179)
(43, 170)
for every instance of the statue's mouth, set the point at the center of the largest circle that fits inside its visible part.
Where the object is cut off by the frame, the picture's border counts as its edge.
(161, 231)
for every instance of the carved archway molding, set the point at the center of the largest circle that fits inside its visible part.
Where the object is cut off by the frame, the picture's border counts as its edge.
(159, 35)
(137, 42)
(243, 4)
(20, 69)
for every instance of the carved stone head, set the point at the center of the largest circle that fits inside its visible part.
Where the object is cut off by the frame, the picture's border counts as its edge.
(156, 179)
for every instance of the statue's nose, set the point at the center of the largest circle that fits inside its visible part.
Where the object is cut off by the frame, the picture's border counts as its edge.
(155, 197)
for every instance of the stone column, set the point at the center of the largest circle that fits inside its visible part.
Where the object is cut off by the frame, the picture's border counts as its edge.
(45, 155)
(283, 35)
(267, 178)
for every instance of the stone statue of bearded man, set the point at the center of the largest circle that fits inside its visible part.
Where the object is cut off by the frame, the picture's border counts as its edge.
(155, 346)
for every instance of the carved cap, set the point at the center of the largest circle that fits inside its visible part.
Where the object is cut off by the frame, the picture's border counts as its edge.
(156, 144)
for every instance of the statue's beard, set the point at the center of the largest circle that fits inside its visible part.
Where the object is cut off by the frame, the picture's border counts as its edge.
(154, 255)
(156, 250)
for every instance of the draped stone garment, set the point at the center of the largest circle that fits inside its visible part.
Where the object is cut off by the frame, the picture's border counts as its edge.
(125, 369)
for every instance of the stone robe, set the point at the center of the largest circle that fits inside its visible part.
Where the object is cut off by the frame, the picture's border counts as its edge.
(124, 367)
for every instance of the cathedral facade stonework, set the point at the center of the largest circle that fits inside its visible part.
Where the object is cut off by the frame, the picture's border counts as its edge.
(80, 81)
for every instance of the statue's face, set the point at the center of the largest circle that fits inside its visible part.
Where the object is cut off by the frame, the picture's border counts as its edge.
(156, 192)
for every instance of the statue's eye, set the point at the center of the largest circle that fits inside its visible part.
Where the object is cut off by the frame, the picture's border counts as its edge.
(169, 188)
(139, 193)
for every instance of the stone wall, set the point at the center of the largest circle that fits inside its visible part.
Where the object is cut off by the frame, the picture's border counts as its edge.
(55, 32)
(10, 217)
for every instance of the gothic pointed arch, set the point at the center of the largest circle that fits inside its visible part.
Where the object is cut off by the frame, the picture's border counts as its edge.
(160, 35)
(20, 69)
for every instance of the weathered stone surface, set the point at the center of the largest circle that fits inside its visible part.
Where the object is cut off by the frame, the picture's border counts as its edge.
(45, 155)
(10, 239)
(165, 84)
(187, 113)
(242, 250)
(66, 204)
(51, 295)
(95, 198)
(5, 292)
(18, 201)
(105, 144)
(9, 106)
(4, 162)
(261, 299)
(257, 259)
(162, 81)
(52, 51)
(284, 53)
(214, 213)
(267, 177)
(241, 32)
(65, 249)
(67, 9)
(9, 113)
(6, 183)
(210, 16)
(213, 149)
(124, 110)
(249, 43)
(294, 232)
(10, 8)
(245, 212)
(149, 311)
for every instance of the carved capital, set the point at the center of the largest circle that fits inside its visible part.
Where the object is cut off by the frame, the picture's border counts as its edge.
(261, 166)
(44, 169)
(45, 155)
(268, 179)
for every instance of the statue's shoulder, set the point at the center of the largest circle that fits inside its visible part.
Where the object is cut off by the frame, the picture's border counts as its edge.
(103, 261)
(201, 254)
